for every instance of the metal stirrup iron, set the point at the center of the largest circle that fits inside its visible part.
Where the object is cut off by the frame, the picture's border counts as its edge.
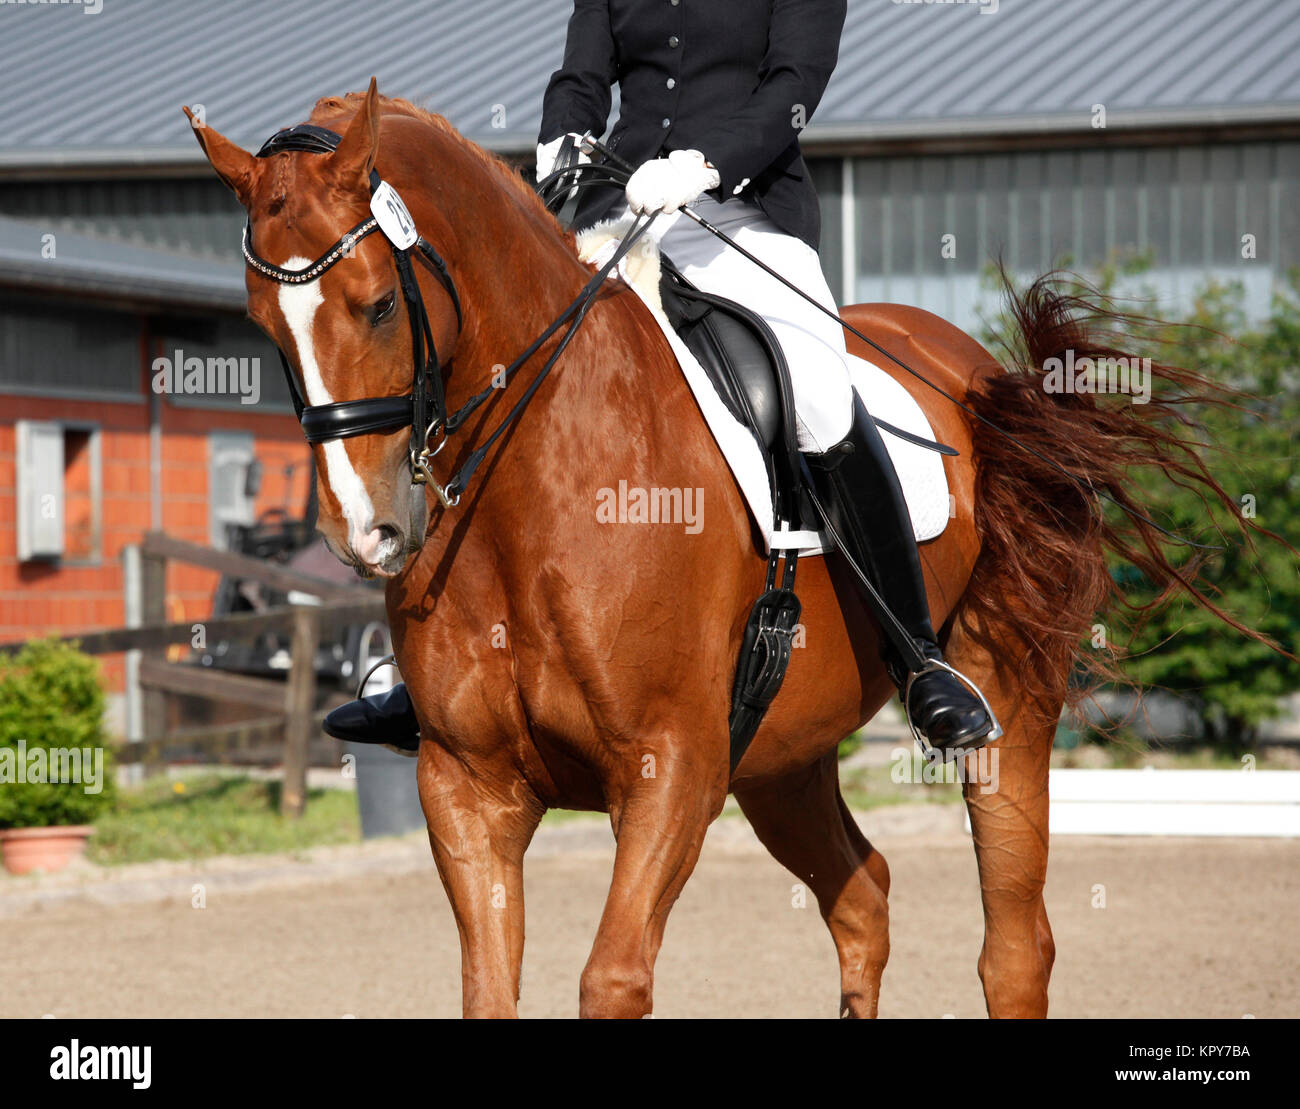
(932, 665)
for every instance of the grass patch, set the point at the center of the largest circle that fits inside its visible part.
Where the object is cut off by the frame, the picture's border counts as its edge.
(572, 816)
(871, 787)
(1135, 753)
(216, 815)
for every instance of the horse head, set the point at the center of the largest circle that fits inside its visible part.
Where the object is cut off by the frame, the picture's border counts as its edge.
(358, 329)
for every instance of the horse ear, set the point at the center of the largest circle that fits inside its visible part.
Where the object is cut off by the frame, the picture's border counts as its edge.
(234, 165)
(355, 156)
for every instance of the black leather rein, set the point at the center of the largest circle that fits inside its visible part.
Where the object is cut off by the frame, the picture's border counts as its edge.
(424, 408)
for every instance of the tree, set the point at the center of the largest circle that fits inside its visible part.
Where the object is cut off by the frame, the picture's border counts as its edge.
(1232, 681)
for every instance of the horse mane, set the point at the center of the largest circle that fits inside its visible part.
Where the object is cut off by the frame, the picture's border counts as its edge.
(333, 107)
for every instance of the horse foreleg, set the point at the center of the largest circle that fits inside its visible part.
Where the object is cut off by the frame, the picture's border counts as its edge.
(479, 836)
(660, 823)
(803, 821)
(1008, 813)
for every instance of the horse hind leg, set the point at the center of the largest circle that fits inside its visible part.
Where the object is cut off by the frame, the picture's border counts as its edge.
(1008, 813)
(803, 821)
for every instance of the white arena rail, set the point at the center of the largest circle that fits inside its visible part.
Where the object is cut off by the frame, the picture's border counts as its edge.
(1154, 802)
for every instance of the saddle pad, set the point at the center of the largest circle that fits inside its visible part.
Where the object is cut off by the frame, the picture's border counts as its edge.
(920, 471)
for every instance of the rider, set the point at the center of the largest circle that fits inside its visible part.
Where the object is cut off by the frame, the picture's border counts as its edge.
(712, 99)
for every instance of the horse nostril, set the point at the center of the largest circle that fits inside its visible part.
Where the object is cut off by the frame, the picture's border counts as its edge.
(377, 545)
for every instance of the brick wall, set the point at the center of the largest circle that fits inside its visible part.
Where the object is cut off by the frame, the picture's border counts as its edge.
(41, 598)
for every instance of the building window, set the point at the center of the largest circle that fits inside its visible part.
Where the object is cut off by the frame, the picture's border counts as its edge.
(66, 348)
(60, 492)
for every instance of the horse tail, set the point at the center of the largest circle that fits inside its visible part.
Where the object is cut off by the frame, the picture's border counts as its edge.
(1042, 574)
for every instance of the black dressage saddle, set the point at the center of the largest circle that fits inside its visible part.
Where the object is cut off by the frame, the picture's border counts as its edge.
(743, 359)
(734, 346)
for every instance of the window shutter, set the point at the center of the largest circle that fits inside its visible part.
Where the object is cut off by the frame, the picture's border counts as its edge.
(40, 490)
(230, 454)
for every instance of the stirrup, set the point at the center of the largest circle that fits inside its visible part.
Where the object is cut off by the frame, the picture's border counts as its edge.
(387, 660)
(930, 666)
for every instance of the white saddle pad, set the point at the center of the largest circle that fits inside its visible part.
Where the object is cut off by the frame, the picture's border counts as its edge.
(920, 471)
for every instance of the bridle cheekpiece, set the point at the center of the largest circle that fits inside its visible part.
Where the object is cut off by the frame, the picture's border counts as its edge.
(423, 409)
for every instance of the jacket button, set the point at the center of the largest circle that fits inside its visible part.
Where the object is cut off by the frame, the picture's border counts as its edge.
(672, 83)
(667, 123)
(673, 40)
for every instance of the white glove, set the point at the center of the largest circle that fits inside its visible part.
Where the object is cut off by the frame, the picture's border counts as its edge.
(667, 184)
(547, 153)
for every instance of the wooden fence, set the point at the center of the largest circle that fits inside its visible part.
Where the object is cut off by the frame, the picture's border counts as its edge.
(283, 733)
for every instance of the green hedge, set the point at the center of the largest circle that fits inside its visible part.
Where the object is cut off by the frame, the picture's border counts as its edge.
(52, 727)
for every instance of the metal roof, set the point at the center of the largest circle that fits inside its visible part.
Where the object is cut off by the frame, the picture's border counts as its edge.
(93, 266)
(106, 88)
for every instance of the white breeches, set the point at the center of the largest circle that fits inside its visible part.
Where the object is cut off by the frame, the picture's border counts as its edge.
(813, 342)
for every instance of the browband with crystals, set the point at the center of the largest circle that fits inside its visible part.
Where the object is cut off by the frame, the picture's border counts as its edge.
(341, 249)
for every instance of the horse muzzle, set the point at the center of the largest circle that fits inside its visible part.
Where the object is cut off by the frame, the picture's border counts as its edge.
(380, 552)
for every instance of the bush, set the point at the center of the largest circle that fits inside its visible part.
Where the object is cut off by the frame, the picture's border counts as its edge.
(1232, 682)
(54, 766)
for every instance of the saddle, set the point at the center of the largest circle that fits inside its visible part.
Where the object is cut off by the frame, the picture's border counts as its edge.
(745, 363)
(735, 348)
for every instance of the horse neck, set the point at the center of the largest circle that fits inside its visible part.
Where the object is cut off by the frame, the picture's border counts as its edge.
(516, 272)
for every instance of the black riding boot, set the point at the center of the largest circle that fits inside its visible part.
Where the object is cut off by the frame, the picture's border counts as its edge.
(387, 718)
(858, 488)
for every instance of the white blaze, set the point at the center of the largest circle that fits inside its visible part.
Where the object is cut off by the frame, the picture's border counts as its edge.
(299, 304)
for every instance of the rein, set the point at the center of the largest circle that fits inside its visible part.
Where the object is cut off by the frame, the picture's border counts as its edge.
(424, 407)
(616, 171)
(576, 312)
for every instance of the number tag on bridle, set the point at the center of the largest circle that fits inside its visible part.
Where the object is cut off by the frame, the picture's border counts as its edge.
(393, 218)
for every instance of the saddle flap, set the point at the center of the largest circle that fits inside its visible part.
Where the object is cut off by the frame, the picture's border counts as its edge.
(726, 341)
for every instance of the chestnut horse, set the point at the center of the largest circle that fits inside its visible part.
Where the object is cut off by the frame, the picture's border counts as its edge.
(556, 660)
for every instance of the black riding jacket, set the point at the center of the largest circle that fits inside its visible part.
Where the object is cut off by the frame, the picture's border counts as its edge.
(734, 79)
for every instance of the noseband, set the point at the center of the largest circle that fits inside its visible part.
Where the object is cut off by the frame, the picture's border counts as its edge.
(423, 409)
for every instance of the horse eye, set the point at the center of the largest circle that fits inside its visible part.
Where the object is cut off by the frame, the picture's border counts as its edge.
(382, 308)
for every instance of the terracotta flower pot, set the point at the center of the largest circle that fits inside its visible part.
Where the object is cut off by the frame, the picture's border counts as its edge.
(47, 849)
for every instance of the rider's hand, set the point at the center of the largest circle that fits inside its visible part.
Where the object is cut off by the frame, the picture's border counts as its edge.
(667, 184)
(549, 151)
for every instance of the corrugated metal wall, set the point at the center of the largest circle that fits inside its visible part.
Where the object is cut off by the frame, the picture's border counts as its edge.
(884, 222)
(1184, 208)
(198, 216)
(45, 347)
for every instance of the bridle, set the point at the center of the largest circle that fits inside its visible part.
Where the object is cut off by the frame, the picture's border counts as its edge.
(423, 409)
